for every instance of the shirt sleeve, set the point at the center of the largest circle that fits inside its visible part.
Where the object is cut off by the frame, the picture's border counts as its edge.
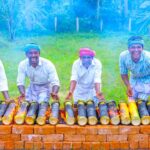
(74, 73)
(3, 79)
(21, 75)
(122, 66)
(98, 72)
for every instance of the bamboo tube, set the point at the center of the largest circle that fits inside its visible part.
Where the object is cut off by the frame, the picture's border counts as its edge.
(3, 107)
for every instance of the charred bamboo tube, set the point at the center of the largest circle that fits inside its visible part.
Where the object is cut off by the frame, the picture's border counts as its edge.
(144, 115)
(21, 114)
(148, 106)
(31, 115)
(41, 119)
(54, 115)
(8, 116)
(91, 113)
(81, 118)
(103, 109)
(113, 112)
(135, 118)
(124, 113)
(70, 119)
(3, 107)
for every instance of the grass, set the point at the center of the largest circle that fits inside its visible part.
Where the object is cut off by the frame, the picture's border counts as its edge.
(62, 50)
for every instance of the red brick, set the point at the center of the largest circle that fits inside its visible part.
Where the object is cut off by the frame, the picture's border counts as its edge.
(143, 145)
(113, 138)
(129, 129)
(95, 138)
(38, 145)
(67, 145)
(107, 129)
(9, 145)
(19, 145)
(46, 129)
(105, 146)
(31, 137)
(29, 145)
(2, 145)
(86, 130)
(138, 137)
(145, 129)
(133, 145)
(10, 137)
(124, 145)
(115, 145)
(86, 146)
(76, 145)
(96, 145)
(74, 138)
(53, 138)
(57, 146)
(48, 145)
(22, 129)
(5, 129)
(65, 129)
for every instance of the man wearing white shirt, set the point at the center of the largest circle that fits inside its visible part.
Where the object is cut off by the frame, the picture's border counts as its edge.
(42, 74)
(85, 81)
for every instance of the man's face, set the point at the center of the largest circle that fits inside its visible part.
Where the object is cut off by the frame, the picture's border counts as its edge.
(33, 56)
(86, 60)
(135, 51)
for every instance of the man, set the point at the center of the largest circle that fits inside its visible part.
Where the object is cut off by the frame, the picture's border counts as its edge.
(3, 83)
(86, 77)
(41, 73)
(137, 61)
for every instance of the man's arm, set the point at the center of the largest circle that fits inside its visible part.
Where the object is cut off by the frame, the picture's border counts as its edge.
(21, 89)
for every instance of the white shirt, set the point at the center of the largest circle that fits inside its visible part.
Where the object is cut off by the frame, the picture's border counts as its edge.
(3, 79)
(86, 79)
(44, 73)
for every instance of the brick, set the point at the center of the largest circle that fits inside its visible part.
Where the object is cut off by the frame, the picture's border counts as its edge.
(76, 145)
(105, 146)
(113, 138)
(107, 129)
(2, 145)
(129, 129)
(145, 129)
(22, 129)
(65, 129)
(31, 137)
(138, 137)
(53, 138)
(10, 137)
(67, 145)
(5, 129)
(133, 145)
(38, 145)
(48, 145)
(9, 145)
(44, 130)
(144, 145)
(19, 145)
(86, 146)
(29, 145)
(74, 138)
(124, 145)
(115, 146)
(96, 145)
(95, 138)
(86, 130)
(57, 146)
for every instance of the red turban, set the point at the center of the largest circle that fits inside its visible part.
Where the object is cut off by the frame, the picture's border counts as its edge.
(86, 51)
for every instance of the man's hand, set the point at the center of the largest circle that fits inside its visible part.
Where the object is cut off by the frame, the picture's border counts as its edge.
(54, 96)
(9, 101)
(129, 91)
(69, 96)
(100, 96)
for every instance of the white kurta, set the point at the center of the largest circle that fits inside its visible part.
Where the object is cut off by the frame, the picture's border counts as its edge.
(86, 78)
(3, 79)
(41, 78)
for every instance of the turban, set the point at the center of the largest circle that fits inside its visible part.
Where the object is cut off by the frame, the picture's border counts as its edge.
(136, 41)
(86, 51)
(31, 46)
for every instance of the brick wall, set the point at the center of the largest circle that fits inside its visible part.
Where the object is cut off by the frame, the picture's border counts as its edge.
(99, 137)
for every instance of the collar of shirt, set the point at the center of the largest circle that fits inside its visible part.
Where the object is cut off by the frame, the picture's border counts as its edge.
(141, 58)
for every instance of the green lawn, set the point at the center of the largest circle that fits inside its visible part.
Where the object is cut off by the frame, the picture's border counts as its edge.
(62, 50)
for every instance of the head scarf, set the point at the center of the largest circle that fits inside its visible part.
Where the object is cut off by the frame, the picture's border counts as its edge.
(31, 46)
(135, 41)
(86, 51)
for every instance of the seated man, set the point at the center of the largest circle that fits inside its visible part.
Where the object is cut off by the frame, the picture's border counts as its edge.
(137, 61)
(86, 77)
(41, 73)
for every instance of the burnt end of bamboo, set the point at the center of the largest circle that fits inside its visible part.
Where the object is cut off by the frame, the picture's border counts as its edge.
(41, 119)
(69, 113)
(54, 115)
(104, 116)
(113, 112)
(32, 113)
(3, 107)
(144, 115)
(91, 113)
(22, 112)
(148, 106)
